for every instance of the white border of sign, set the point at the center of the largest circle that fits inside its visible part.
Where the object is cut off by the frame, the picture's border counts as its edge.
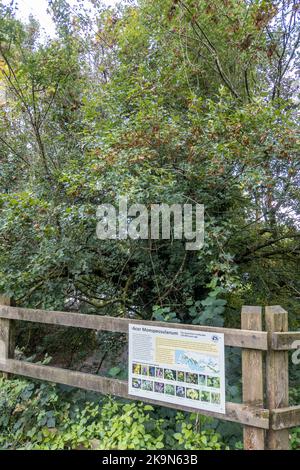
(189, 376)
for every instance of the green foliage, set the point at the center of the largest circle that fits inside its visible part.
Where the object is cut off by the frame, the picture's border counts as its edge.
(119, 372)
(208, 311)
(164, 314)
(294, 395)
(188, 439)
(43, 417)
(163, 102)
(295, 439)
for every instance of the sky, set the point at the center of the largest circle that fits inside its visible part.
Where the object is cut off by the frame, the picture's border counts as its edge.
(39, 10)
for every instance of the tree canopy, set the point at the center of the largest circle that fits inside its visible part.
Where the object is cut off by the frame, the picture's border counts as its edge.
(164, 101)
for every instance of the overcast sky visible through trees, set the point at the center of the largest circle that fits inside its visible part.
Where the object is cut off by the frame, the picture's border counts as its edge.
(38, 8)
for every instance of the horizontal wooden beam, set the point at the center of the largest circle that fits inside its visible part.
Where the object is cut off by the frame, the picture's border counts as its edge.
(284, 418)
(235, 412)
(286, 341)
(233, 337)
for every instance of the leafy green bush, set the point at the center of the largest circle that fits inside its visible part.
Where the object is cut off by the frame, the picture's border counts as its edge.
(38, 416)
(189, 440)
(295, 439)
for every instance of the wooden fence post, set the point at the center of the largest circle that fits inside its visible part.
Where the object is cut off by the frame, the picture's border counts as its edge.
(277, 376)
(7, 335)
(252, 373)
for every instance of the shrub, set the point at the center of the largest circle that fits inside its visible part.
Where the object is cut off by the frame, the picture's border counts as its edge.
(39, 416)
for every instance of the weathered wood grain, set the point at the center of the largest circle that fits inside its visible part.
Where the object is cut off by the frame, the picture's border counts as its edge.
(7, 335)
(284, 418)
(252, 378)
(277, 376)
(232, 337)
(235, 412)
(286, 341)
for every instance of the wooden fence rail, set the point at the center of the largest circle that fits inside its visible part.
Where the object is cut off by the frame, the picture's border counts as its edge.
(264, 414)
(232, 337)
(286, 340)
(235, 412)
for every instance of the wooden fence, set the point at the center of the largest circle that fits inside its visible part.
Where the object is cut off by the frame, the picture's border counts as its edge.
(265, 413)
